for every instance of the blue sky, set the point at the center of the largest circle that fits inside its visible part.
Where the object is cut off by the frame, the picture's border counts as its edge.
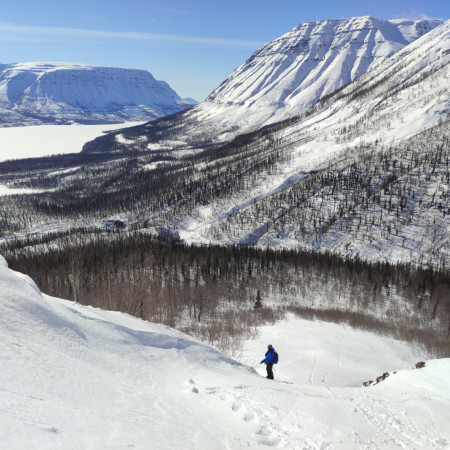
(193, 45)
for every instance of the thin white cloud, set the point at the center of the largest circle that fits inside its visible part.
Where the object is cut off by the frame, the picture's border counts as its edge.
(415, 14)
(181, 12)
(26, 30)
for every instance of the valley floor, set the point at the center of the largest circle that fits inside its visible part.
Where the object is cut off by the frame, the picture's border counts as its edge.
(45, 140)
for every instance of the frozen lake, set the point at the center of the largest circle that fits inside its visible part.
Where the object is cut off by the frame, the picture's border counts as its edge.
(44, 140)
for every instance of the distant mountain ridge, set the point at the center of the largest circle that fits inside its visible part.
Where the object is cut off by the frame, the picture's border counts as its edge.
(35, 93)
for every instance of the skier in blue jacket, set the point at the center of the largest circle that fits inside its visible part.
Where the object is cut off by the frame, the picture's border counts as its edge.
(269, 360)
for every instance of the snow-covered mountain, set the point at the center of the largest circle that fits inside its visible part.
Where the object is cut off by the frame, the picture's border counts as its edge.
(363, 172)
(290, 74)
(287, 76)
(35, 93)
(71, 374)
(398, 110)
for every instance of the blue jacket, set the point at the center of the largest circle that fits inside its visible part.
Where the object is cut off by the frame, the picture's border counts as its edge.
(269, 356)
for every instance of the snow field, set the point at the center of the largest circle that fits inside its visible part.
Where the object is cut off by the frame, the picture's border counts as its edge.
(77, 377)
(47, 140)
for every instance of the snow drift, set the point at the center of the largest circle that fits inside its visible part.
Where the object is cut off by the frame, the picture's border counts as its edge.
(78, 377)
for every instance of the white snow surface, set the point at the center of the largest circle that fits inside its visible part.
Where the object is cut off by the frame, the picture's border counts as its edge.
(76, 377)
(46, 140)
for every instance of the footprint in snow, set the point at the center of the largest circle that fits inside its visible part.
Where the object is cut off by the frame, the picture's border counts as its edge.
(249, 416)
(194, 389)
(237, 405)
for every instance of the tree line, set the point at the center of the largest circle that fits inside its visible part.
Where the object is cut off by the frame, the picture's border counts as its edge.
(222, 294)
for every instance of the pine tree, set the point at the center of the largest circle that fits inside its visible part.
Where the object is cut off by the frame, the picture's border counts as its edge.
(258, 303)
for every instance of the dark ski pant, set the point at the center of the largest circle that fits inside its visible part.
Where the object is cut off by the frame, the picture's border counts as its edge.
(269, 371)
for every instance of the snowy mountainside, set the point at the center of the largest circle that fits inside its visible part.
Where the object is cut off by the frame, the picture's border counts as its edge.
(396, 112)
(340, 178)
(287, 76)
(364, 172)
(34, 93)
(384, 113)
(74, 373)
(290, 74)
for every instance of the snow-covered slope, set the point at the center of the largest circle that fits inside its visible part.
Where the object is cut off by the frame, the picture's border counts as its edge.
(290, 74)
(78, 377)
(287, 76)
(389, 106)
(364, 172)
(398, 110)
(64, 92)
(402, 104)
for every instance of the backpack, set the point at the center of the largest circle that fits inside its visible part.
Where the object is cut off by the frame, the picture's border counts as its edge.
(275, 358)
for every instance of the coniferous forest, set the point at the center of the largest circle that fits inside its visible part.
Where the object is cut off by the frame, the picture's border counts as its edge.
(221, 294)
